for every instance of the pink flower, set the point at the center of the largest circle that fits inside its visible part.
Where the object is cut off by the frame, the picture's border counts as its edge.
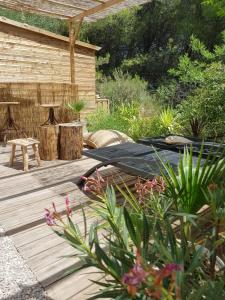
(49, 218)
(135, 276)
(169, 269)
(68, 209)
(148, 187)
(173, 267)
(94, 185)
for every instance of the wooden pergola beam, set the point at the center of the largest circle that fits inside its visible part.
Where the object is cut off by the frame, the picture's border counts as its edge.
(73, 35)
(98, 8)
(100, 1)
(76, 9)
(66, 5)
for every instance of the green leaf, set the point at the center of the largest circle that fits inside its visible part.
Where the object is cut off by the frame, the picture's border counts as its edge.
(131, 229)
(112, 265)
(196, 260)
(146, 233)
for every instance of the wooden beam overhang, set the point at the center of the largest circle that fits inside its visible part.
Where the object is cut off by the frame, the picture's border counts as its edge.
(76, 7)
(98, 8)
(69, 9)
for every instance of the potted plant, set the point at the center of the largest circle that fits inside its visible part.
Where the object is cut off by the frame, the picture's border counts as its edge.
(76, 107)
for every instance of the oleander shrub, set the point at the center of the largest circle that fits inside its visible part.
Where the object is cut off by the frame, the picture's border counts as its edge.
(145, 247)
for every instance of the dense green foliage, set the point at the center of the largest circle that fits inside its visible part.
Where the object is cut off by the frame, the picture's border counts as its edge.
(172, 51)
(122, 88)
(148, 41)
(203, 110)
(128, 119)
(145, 41)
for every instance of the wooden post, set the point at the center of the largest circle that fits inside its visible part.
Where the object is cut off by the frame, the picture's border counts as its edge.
(48, 137)
(73, 34)
(70, 141)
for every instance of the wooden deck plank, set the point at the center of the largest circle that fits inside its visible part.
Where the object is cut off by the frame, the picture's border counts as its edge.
(44, 255)
(23, 198)
(7, 171)
(29, 183)
(50, 240)
(34, 215)
(75, 286)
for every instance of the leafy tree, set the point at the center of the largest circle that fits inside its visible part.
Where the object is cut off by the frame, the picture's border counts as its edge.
(114, 34)
(218, 5)
(203, 111)
(147, 41)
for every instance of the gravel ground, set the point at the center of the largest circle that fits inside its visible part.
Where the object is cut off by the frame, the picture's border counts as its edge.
(16, 279)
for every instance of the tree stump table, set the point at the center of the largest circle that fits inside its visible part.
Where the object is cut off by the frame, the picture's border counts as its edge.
(48, 137)
(70, 141)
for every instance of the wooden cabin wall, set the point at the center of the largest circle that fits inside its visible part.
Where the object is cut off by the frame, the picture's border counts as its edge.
(26, 56)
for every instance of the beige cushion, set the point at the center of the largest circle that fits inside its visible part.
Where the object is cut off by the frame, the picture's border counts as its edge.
(105, 138)
(174, 139)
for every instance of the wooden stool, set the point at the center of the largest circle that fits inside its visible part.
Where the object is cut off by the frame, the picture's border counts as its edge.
(24, 143)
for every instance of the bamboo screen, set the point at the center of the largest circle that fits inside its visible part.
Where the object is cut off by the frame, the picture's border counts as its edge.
(28, 115)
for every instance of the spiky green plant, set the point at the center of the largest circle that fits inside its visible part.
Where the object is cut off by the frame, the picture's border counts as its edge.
(76, 107)
(187, 184)
(168, 121)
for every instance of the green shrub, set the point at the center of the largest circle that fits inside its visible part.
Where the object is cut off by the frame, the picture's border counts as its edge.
(105, 120)
(127, 119)
(123, 89)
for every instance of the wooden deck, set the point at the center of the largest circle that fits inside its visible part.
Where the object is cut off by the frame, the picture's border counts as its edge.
(23, 198)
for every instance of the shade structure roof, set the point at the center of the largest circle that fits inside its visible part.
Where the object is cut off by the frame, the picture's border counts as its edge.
(76, 9)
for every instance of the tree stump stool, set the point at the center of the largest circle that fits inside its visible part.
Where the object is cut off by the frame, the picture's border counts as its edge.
(24, 144)
(70, 141)
(48, 136)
